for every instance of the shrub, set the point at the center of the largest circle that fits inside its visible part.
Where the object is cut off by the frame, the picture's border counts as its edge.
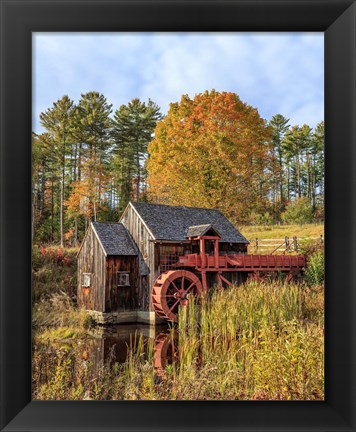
(36, 257)
(53, 271)
(261, 219)
(319, 213)
(299, 211)
(314, 272)
(311, 247)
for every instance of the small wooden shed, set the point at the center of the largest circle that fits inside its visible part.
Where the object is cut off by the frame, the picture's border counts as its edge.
(108, 271)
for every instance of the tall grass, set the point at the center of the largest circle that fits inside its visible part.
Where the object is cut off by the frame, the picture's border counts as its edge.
(62, 373)
(256, 341)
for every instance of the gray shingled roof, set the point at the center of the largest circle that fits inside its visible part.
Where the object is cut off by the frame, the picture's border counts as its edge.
(200, 230)
(115, 238)
(172, 222)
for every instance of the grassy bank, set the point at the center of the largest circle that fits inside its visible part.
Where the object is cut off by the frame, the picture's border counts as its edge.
(280, 231)
(304, 233)
(257, 341)
(271, 236)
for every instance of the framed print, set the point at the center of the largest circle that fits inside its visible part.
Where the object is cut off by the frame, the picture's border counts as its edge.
(19, 409)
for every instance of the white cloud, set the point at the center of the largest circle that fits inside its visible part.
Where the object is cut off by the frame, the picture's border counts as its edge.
(276, 73)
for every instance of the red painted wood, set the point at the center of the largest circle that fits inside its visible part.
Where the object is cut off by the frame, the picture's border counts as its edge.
(243, 262)
(216, 252)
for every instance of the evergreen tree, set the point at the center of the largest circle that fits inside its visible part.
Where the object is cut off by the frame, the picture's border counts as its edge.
(134, 124)
(58, 123)
(318, 166)
(92, 127)
(295, 144)
(280, 126)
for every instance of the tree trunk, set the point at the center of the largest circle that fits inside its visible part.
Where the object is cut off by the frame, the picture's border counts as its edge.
(75, 232)
(62, 196)
(52, 211)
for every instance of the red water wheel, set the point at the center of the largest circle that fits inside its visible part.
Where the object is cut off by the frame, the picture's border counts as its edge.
(173, 289)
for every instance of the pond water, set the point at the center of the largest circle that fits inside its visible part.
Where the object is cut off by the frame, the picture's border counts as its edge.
(114, 343)
(103, 346)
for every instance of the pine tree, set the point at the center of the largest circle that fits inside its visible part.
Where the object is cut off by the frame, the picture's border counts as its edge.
(134, 124)
(295, 145)
(317, 152)
(92, 128)
(58, 123)
(280, 126)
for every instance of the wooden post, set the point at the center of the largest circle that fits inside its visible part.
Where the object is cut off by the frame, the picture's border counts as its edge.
(216, 253)
(219, 280)
(295, 243)
(203, 280)
(202, 253)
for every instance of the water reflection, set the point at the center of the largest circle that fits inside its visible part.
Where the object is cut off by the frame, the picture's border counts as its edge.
(165, 350)
(112, 344)
(83, 359)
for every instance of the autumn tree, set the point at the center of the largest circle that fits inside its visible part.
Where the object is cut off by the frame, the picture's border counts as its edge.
(210, 151)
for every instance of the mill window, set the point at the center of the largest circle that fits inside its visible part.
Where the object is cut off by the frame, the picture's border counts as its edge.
(123, 279)
(86, 280)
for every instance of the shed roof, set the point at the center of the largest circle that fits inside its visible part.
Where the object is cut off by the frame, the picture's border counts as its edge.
(114, 238)
(200, 230)
(172, 222)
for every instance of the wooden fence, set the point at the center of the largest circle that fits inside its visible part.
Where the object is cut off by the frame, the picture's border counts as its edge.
(286, 244)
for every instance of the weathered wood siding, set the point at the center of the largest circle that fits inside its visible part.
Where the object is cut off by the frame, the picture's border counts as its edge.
(121, 298)
(147, 265)
(91, 259)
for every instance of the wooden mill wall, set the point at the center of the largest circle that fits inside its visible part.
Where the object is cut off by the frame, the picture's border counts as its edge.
(121, 298)
(91, 259)
(147, 264)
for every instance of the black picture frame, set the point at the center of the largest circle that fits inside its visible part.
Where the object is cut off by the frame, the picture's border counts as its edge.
(21, 17)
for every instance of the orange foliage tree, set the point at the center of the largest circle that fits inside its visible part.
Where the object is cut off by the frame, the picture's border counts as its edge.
(212, 151)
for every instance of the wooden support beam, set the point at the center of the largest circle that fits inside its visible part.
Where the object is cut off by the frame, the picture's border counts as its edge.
(202, 253)
(203, 280)
(216, 252)
(219, 281)
(225, 280)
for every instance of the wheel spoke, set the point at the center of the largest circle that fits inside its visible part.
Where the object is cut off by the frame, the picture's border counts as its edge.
(190, 286)
(182, 284)
(175, 286)
(174, 305)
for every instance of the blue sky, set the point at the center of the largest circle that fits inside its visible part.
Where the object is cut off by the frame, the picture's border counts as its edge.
(277, 73)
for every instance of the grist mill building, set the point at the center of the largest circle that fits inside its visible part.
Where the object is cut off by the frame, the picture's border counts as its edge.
(119, 264)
